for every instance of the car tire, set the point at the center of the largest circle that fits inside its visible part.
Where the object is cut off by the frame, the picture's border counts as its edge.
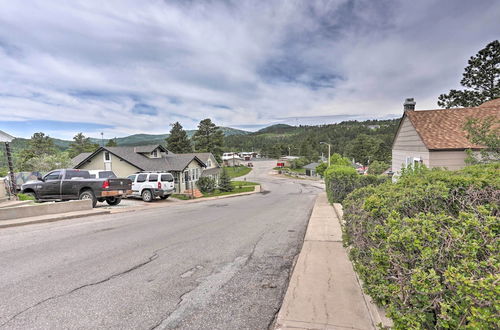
(165, 196)
(113, 200)
(147, 195)
(88, 194)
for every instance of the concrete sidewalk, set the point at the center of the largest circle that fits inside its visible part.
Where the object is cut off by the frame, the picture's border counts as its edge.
(324, 292)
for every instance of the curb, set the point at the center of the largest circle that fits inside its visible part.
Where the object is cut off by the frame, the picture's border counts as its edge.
(33, 220)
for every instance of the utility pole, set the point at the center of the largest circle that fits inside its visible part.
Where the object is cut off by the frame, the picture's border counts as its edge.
(12, 189)
(329, 146)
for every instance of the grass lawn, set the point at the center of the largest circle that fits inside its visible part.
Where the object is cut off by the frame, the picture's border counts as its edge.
(236, 171)
(235, 191)
(295, 170)
(181, 196)
(244, 183)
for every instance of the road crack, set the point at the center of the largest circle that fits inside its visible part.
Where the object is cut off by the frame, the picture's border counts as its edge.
(131, 269)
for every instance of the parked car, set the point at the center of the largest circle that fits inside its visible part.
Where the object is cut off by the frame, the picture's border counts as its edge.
(69, 184)
(149, 185)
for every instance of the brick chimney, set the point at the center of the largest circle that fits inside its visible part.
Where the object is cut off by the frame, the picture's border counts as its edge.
(409, 104)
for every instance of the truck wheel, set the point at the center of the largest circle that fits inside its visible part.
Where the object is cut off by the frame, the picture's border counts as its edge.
(165, 196)
(147, 196)
(113, 200)
(88, 194)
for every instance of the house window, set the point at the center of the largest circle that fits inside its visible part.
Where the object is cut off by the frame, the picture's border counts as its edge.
(107, 156)
(209, 163)
(155, 153)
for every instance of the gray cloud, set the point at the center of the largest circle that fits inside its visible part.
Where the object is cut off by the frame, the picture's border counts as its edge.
(140, 65)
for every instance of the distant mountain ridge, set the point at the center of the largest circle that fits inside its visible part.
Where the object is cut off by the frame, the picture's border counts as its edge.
(131, 140)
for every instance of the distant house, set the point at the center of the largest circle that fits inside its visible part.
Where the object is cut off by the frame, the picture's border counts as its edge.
(311, 169)
(436, 138)
(124, 161)
(213, 168)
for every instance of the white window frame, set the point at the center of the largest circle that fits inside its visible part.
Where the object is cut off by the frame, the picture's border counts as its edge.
(107, 153)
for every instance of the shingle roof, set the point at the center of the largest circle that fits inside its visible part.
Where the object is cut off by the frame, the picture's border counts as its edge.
(203, 156)
(80, 158)
(172, 162)
(148, 148)
(443, 129)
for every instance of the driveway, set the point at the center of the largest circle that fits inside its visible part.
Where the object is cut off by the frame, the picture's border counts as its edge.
(220, 264)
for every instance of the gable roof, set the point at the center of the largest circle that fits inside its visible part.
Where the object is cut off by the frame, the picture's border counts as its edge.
(80, 158)
(171, 162)
(149, 148)
(204, 156)
(443, 129)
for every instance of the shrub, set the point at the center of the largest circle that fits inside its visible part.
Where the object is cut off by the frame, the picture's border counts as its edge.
(428, 247)
(24, 197)
(342, 180)
(206, 184)
(377, 167)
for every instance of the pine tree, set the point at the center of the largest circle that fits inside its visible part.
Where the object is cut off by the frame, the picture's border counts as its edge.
(81, 144)
(40, 145)
(209, 138)
(481, 77)
(178, 141)
(225, 181)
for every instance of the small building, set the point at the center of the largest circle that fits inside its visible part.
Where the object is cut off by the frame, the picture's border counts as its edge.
(311, 169)
(436, 138)
(124, 161)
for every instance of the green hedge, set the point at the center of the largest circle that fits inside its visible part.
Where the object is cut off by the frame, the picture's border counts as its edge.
(427, 247)
(341, 180)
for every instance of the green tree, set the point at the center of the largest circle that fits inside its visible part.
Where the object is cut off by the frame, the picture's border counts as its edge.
(377, 167)
(209, 138)
(225, 181)
(81, 144)
(39, 145)
(364, 149)
(485, 132)
(112, 143)
(481, 77)
(45, 163)
(178, 141)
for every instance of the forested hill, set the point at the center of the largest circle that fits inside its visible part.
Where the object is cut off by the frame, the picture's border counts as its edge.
(357, 139)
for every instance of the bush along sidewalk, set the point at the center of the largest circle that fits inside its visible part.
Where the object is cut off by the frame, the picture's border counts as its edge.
(427, 247)
(341, 179)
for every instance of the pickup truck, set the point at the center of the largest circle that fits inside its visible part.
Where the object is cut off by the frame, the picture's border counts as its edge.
(70, 184)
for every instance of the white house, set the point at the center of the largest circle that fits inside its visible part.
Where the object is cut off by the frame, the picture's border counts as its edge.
(186, 168)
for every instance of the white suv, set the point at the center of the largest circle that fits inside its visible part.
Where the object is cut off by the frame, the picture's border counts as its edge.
(149, 185)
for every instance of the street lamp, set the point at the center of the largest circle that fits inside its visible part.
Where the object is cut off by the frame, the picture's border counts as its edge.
(329, 146)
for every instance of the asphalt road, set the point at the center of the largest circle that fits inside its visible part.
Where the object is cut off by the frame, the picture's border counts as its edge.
(221, 264)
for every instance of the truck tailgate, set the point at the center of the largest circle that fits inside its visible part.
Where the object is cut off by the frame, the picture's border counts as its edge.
(120, 184)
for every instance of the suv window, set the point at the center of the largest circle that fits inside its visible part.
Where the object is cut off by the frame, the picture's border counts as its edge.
(167, 177)
(153, 177)
(131, 177)
(77, 174)
(142, 177)
(53, 176)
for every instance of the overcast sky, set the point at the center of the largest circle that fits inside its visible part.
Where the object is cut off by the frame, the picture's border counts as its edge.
(125, 67)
